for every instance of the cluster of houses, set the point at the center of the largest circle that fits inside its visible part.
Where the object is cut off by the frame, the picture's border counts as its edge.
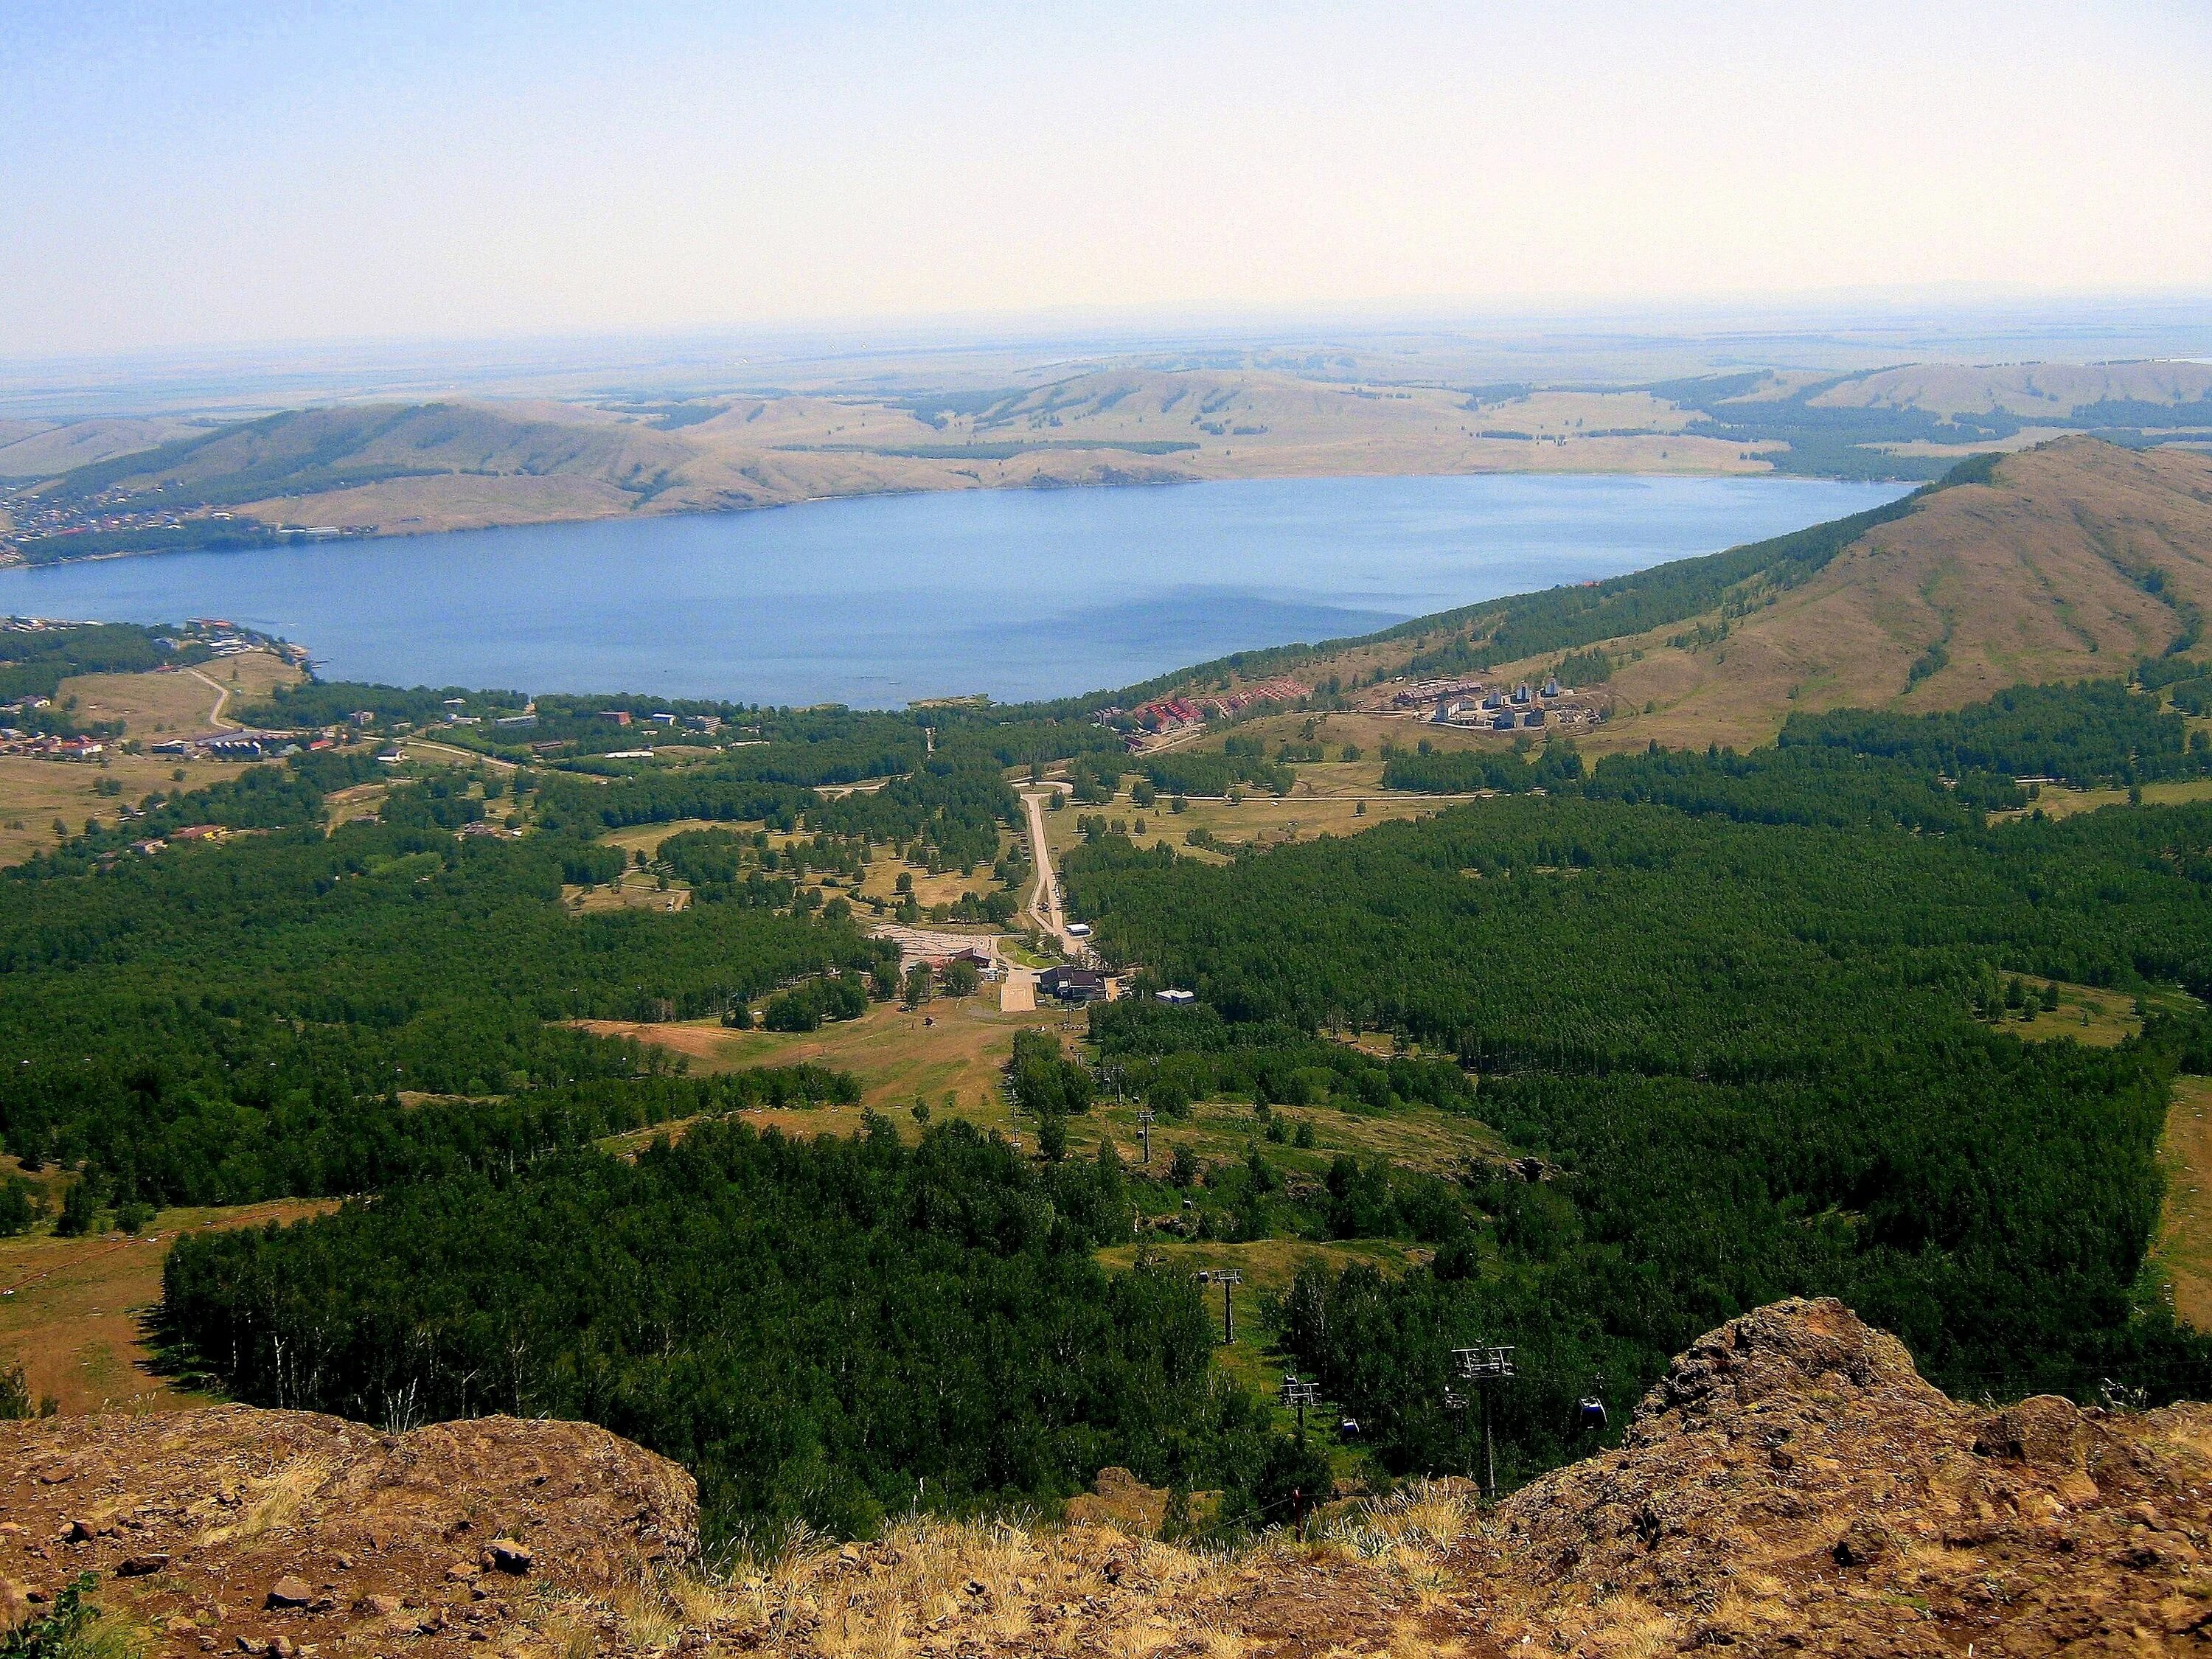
(1166, 716)
(986, 965)
(44, 746)
(238, 745)
(707, 724)
(1477, 704)
(192, 832)
(1501, 711)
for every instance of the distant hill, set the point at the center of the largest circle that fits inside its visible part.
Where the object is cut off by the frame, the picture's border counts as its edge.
(2073, 560)
(393, 468)
(39, 449)
(2059, 394)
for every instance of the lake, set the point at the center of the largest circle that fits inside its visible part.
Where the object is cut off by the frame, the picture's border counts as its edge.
(875, 602)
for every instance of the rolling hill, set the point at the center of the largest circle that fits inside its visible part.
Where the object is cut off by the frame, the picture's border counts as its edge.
(398, 468)
(39, 449)
(2073, 560)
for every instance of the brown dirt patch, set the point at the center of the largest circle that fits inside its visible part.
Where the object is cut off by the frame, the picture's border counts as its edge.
(75, 1309)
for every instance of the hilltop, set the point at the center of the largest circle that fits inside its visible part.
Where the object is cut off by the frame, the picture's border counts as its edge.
(1790, 1485)
(2073, 560)
(2068, 561)
(390, 467)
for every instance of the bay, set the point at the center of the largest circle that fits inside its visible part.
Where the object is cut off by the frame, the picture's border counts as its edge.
(878, 601)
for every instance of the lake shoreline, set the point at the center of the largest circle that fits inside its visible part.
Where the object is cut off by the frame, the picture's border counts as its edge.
(881, 599)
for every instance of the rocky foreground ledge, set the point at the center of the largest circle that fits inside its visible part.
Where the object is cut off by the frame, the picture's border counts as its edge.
(1791, 1486)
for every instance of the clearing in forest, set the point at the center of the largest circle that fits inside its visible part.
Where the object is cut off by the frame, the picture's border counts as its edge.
(2184, 1245)
(75, 1311)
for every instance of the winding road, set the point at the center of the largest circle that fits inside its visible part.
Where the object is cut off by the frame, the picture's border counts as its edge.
(215, 717)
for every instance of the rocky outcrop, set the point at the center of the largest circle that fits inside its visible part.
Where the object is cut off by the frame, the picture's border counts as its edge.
(280, 1531)
(1791, 1486)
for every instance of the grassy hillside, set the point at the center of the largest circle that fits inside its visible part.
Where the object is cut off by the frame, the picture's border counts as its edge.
(308, 451)
(39, 449)
(2068, 561)
(2071, 561)
(396, 468)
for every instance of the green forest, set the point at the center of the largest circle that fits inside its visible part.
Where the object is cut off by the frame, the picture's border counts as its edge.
(1739, 1009)
(837, 1329)
(1735, 1026)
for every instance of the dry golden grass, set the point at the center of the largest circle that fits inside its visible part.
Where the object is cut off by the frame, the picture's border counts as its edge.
(2184, 1245)
(880, 880)
(271, 1503)
(151, 706)
(633, 891)
(1264, 819)
(403, 506)
(897, 1058)
(246, 677)
(77, 1316)
(161, 704)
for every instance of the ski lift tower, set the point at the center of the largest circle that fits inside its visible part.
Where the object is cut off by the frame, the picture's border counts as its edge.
(1224, 1277)
(1485, 1368)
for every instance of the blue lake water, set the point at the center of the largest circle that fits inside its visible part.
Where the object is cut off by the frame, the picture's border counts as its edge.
(1029, 594)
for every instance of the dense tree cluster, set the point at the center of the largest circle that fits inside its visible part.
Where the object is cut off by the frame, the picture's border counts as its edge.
(2097, 732)
(833, 1330)
(1743, 1047)
(1201, 772)
(1041, 1078)
(221, 1022)
(1171, 1056)
(1509, 771)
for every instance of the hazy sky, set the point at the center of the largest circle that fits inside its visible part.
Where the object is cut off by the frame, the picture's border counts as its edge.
(189, 173)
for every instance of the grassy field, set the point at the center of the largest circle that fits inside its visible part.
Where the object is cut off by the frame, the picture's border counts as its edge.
(168, 703)
(362, 801)
(896, 1055)
(2088, 1014)
(1261, 818)
(2059, 802)
(953, 1064)
(2183, 1256)
(635, 890)
(73, 1310)
(879, 881)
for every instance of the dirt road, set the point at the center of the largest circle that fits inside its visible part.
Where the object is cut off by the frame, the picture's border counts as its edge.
(216, 716)
(1044, 903)
(458, 753)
